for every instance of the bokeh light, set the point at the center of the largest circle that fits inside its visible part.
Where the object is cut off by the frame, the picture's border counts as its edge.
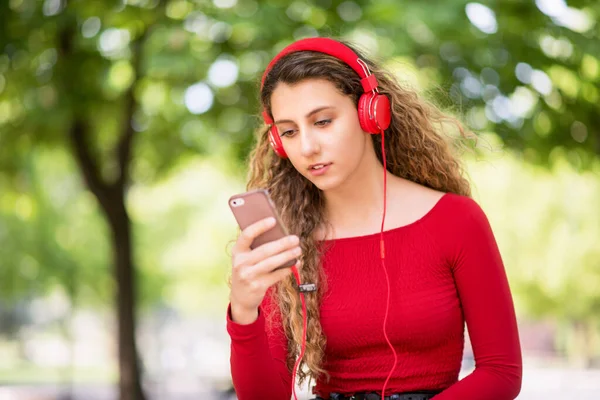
(223, 72)
(482, 17)
(199, 98)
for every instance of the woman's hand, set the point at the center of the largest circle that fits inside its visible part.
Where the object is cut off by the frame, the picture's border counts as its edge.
(252, 270)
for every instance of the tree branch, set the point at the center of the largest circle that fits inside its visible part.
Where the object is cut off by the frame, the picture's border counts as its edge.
(78, 130)
(124, 146)
(87, 164)
(127, 132)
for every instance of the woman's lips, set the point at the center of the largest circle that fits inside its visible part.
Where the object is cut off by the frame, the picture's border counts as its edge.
(320, 170)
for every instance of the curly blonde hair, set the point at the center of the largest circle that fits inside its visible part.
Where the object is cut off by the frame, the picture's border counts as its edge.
(415, 150)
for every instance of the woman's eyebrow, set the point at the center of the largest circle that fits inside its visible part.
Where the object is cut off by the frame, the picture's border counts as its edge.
(316, 110)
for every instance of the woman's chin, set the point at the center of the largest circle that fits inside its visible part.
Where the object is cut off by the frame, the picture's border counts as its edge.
(325, 184)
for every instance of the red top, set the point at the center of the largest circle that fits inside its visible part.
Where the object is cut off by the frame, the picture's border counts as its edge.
(445, 269)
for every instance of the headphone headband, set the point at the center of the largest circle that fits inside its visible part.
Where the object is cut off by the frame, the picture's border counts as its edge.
(333, 48)
(374, 112)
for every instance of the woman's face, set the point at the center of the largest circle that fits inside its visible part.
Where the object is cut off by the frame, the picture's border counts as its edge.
(320, 131)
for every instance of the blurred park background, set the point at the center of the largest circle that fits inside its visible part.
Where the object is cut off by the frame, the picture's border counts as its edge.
(125, 127)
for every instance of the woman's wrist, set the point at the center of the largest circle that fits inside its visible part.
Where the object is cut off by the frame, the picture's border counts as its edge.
(243, 316)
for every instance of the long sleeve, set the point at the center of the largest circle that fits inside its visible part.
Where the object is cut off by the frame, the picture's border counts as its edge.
(488, 309)
(258, 353)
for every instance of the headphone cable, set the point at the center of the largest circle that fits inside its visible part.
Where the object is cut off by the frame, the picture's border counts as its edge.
(382, 254)
(302, 288)
(311, 287)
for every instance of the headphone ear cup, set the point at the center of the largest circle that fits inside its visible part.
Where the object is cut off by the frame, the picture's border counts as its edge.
(363, 113)
(275, 141)
(382, 111)
(367, 124)
(377, 105)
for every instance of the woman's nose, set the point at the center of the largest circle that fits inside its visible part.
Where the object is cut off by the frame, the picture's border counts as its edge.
(309, 142)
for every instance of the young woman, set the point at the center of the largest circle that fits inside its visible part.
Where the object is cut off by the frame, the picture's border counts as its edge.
(393, 296)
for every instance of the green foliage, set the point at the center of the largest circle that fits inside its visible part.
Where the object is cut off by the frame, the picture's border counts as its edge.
(61, 60)
(53, 236)
(44, 246)
(547, 225)
(532, 80)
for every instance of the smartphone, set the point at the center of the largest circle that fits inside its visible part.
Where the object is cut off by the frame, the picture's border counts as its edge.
(251, 207)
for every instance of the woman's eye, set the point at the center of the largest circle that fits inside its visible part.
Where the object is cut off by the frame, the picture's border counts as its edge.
(323, 122)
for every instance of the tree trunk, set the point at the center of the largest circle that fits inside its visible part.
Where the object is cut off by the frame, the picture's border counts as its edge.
(112, 202)
(129, 369)
(111, 196)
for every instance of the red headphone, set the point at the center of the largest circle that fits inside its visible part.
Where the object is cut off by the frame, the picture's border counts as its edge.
(374, 112)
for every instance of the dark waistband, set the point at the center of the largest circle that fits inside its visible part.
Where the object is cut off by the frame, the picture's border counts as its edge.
(418, 395)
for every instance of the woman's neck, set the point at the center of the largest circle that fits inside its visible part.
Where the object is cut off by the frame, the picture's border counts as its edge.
(357, 205)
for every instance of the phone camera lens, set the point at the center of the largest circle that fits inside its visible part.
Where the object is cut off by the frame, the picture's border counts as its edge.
(237, 202)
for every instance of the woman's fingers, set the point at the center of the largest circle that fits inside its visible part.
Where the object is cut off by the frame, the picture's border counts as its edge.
(267, 265)
(272, 248)
(275, 276)
(270, 278)
(251, 232)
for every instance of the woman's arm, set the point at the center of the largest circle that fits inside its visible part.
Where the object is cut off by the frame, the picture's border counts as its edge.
(258, 354)
(488, 309)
